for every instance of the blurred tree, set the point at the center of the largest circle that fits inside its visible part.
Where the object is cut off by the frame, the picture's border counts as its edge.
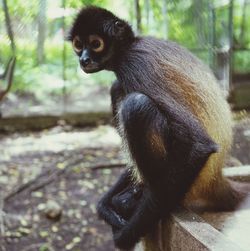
(147, 6)
(243, 24)
(199, 22)
(8, 25)
(42, 21)
(165, 18)
(138, 16)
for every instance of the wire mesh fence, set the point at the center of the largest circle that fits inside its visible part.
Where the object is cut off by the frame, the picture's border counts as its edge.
(47, 78)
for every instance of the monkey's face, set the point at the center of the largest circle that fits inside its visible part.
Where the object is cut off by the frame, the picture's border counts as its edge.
(94, 52)
(97, 36)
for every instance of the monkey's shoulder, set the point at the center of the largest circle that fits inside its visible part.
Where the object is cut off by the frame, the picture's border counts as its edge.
(169, 52)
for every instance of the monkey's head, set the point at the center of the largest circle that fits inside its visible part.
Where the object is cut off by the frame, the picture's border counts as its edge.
(97, 37)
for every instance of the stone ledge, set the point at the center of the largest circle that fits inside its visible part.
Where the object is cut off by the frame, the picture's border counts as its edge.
(241, 173)
(39, 122)
(191, 232)
(187, 231)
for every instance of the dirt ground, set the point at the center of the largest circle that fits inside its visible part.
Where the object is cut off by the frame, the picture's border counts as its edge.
(51, 181)
(65, 171)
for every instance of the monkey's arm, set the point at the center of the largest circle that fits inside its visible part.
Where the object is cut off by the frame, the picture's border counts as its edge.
(169, 147)
(117, 95)
(117, 206)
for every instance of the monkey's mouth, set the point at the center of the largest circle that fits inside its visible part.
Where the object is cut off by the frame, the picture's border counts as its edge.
(91, 68)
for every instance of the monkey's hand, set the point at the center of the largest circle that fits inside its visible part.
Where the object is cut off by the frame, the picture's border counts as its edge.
(118, 205)
(144, 218)
(125, 202)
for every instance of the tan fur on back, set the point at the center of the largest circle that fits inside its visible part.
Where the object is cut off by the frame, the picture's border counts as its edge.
(200, 92)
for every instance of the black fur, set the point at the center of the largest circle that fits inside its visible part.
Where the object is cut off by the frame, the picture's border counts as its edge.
(166, 178)
(124, 203)
(93, 20)
(146, 103)
(105, 211)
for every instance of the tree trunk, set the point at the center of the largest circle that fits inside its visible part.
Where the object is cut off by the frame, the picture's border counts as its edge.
(41, 31)
(231, 45)
(147, 6)
(243, 24)
(165, 19)
(8, 25)
(212, 33)
(199, 22)
(138, 16)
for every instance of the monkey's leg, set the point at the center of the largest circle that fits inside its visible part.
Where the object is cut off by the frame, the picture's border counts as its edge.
(169, 149)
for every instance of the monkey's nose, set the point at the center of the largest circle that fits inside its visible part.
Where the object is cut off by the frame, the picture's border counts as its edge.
(85, 58)
(85, 61)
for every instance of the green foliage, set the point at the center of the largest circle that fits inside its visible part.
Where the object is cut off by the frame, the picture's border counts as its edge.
(19, 9)
(48, 77)
(241, 61)
(78, 4)
(189, 23)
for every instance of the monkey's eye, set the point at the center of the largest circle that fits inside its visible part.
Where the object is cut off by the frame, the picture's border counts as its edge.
(96, 43)
(119, 24)
(77, 44)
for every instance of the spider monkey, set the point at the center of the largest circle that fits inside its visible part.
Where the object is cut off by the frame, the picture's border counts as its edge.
(173, 119)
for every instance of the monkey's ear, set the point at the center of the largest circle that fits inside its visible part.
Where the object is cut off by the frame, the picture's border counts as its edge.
(116, 29)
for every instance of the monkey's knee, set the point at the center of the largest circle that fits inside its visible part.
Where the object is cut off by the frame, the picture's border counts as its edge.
(134, 109)
(143, 124)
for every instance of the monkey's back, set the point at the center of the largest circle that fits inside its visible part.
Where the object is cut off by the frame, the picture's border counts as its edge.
(171, 68)
(204, 97)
